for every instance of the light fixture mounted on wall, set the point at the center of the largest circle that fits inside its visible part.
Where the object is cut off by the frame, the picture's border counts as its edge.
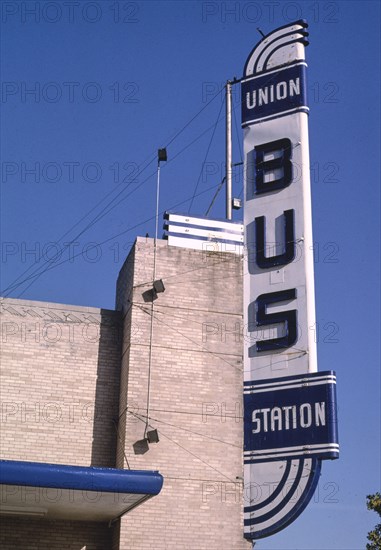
(153, 436)
(142, 446)
(158, 286)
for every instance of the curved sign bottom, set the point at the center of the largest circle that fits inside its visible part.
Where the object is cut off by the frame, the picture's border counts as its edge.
(279, 500)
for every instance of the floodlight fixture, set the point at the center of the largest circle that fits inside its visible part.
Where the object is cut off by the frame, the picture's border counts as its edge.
(158, 286)
(153, 436)
(141, 447)
(162, 155)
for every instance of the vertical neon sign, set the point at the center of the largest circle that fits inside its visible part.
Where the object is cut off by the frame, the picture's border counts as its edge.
(290, 418)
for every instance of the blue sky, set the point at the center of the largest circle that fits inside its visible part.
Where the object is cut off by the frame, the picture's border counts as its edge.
(90, 92)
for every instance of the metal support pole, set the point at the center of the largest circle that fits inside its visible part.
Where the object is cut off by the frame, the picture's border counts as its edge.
(152, 304)
(157, 201)
(228, 150)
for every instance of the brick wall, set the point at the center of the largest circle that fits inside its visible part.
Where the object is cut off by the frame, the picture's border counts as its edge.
(60, 370)
(40, 534)
(67, 371)
(195, 397)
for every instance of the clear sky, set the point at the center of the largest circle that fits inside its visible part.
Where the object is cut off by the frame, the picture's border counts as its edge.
(90, 90)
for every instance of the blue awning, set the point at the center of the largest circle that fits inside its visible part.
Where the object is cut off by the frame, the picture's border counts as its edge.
(73, 492)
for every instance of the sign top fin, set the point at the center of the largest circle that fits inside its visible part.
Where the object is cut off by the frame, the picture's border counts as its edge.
(280, 47)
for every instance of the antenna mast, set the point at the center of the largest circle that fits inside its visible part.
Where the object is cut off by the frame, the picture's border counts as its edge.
(228, 150)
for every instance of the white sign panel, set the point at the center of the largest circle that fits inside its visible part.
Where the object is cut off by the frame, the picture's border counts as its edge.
(288, 428)
(203, 233)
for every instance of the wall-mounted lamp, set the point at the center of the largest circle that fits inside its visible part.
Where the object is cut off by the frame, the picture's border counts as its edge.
(153, 436)
(158, 286)
(151, 294)
(141, 447)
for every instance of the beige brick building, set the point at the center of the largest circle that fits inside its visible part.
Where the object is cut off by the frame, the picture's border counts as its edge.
(82, 386)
